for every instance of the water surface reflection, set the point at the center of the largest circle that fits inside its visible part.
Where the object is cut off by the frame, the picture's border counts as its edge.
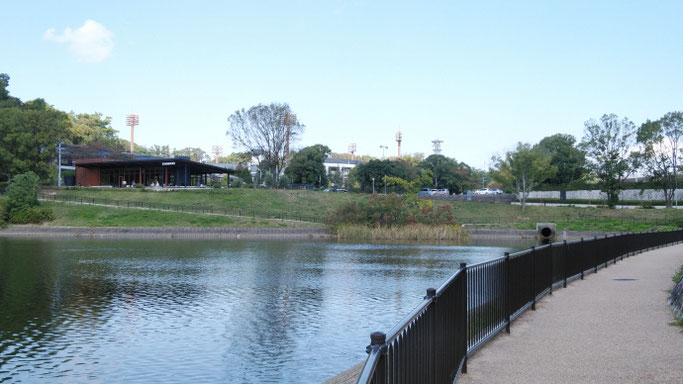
(207, 311)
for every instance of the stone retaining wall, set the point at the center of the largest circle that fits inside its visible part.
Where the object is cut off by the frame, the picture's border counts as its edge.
(628, 194)
(167, 232)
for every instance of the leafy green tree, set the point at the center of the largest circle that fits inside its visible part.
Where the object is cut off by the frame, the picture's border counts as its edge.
(335, 178)
(608, 144)
(363, 173)
(88, 128)
(306, 166)
(7, 101)
(522, 170)
(195, 154)
(29, 134)
(160, 150)
(236, 157)
(569, 160)
(448, 173)
(261, 130)
(660, 153)
(244, 174)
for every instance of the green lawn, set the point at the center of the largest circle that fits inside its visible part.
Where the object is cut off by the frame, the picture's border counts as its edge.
(292, 202)
(77, 215)
(320, 205)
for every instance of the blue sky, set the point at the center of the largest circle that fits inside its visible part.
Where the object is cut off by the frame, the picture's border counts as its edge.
(480, 76)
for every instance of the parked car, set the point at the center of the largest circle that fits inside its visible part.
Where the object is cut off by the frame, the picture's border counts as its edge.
(486, 191)
(433, 192)
(340, 190)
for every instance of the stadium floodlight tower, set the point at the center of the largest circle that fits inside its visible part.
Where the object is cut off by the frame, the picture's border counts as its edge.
(131, 121)
(437, 146)
(217, 149)
(352, 150)
(399, 138)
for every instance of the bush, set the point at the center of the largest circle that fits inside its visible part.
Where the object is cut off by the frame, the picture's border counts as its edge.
(20, 204)
(140, 186)
(22, 192)
(237, 183)
(3, 213)
(31, 215)
(393, 210)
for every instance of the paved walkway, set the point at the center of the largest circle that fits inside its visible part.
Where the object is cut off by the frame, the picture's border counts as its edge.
(599, 330)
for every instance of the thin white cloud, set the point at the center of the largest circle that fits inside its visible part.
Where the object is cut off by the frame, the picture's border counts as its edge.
(92, 42)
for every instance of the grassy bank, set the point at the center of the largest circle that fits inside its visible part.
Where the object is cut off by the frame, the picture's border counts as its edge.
(604, 225)
(406, 232)
(291, 202)
(322, 205)
(73, 215)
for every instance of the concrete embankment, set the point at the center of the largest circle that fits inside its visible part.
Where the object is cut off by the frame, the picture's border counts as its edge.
(166, 232)
(248, 233)
(529, 234)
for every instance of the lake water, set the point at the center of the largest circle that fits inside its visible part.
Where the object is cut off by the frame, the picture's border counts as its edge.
(75, 310)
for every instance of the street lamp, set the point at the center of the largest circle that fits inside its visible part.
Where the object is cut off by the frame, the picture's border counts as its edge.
(373, 185)
(59, 164)
(383, 147)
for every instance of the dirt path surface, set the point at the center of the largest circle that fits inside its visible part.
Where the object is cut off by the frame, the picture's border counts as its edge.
(599, 330)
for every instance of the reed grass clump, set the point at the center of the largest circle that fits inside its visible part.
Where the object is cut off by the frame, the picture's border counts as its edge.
(450, 232)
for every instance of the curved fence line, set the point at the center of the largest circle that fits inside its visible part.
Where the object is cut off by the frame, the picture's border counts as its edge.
(432, 343)
(247, 213)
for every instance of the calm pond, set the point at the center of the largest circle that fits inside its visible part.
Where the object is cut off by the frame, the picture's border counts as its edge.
(77, 310)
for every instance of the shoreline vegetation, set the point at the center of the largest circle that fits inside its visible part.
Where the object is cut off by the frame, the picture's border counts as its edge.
(407, 232)
(348, 216)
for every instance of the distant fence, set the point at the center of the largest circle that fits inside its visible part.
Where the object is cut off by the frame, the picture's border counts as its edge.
(502, 199)
(432, 343)
(489, 220)
(247, 213)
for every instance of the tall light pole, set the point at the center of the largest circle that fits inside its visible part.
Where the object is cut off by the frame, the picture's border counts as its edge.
(373, 185)
(288, 119)
(217, 149)
(132, 121)
(59, 164)
(383, 147)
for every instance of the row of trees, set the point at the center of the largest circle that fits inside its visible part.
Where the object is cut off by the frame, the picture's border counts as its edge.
(611, 150)
(30, 132)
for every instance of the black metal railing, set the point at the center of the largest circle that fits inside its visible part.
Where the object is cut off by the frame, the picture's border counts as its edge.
(198, 209)
(432, 343)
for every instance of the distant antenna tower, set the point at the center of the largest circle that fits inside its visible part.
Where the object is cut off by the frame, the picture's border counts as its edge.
(437, 146)
(217, 149)
(132, 121)
(352, 150)
(399, 138)
(288, 119)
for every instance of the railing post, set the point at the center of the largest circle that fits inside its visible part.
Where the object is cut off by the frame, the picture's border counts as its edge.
(463, 268)
(550, 292)
(533, 278)
(508, 292)
(378, 341)
(431, 292)
(595, 257)
(583, 251)
(564, 265)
